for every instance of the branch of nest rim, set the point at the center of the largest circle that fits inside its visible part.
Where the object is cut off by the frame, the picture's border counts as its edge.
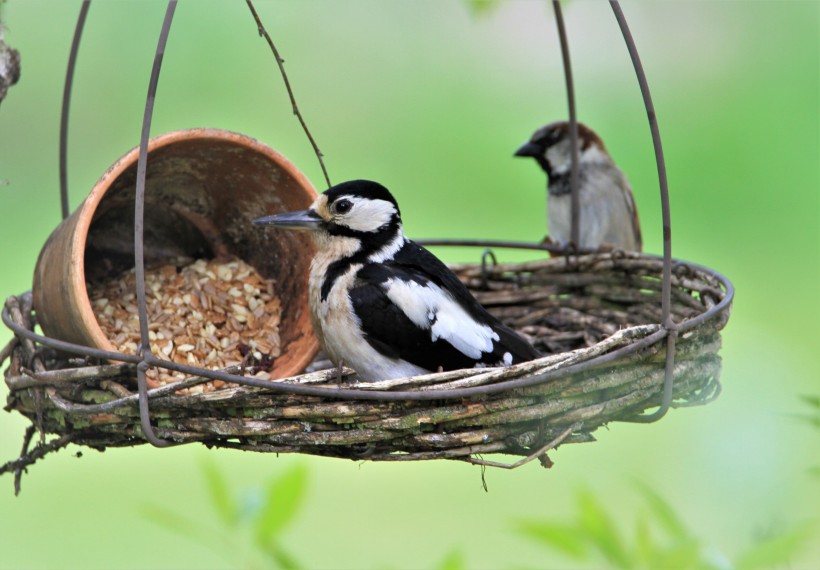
(18, 466)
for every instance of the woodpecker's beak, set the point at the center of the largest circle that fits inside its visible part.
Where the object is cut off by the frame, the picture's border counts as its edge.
(529, 149)
(304, 220)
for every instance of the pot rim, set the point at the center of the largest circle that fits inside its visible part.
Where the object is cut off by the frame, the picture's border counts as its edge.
(85, 213)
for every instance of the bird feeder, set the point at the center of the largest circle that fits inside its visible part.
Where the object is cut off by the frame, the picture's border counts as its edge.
(626, 332)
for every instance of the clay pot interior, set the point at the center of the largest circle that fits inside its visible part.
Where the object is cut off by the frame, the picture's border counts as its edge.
(203, 189)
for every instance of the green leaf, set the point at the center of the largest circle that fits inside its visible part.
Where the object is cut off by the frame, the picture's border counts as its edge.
(567, 539)
(482, 7)
(775, 551)
(218, 542)
(813, 401)
(680, 556)
(597, 524)
(664, 513)
(280, 556)
(219, 493)
(284, 497)
(453, 561)
(645, 550)
(183, 526)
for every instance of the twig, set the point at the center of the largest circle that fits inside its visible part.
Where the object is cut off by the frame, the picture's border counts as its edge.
(18, 316)
(18, 473)
(115, 388)
(68, 375)
(28, 458)
(281, 62)
(71, 407)
(541, 451)
(7, 350)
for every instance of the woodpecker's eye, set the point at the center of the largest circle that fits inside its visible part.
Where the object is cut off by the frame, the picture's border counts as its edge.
(342, 206)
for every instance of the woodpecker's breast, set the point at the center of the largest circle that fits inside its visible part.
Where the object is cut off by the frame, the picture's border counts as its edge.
(331, 312)
(339, 329)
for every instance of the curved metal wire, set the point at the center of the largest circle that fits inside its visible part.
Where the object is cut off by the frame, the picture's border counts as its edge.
(574, 175)
(139, 225)
(69, 81)
(485, 255)
(666, 214)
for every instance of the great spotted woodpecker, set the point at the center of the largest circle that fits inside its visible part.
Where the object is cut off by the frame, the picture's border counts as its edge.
(384, 305)
(608, 216)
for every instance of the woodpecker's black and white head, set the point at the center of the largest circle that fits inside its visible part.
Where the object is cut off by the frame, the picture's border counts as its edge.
(385, 305)
(359, 216)
(550, 147)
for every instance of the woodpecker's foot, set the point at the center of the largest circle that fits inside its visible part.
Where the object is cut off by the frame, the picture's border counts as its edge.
(339, 373)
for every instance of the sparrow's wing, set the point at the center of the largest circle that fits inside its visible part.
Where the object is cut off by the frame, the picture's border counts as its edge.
(632, 208)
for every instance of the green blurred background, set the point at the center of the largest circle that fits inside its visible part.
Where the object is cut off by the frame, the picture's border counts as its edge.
(431, 99)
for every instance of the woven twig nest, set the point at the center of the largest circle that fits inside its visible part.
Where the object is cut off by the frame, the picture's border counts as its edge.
(597, 314)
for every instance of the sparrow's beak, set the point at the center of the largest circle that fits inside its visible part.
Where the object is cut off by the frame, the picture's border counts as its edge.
(529, 149)
(304, 220)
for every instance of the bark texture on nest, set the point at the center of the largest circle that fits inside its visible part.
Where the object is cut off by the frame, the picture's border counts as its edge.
(572, 310)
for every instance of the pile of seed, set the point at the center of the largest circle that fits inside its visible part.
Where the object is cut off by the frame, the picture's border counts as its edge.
(210, 314)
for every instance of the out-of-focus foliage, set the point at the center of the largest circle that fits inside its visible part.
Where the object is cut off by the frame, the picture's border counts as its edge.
(812, 417)
(483, 7)
(247, 531)
(659, 539)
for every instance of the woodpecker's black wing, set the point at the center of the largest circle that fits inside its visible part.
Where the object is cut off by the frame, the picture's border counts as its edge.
(416, 258)
(412, 307)
(389, 329)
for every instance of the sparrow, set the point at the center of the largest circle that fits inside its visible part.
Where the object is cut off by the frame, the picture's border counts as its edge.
(608, 216)
(384, 305)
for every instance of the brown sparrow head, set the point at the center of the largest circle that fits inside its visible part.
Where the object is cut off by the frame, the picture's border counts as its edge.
(608, 215)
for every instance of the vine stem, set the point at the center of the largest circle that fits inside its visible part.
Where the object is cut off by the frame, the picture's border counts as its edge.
(281, 62)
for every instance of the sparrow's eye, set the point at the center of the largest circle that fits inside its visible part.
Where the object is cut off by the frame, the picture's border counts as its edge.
(342, 206)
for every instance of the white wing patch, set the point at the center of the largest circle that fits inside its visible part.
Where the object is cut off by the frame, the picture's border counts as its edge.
(430, 308)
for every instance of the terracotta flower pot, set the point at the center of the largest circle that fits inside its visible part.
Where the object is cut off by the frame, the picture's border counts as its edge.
(203, 189)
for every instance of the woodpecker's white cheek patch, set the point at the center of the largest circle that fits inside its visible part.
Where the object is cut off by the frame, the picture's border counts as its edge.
(430, 308)
(367, 215)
